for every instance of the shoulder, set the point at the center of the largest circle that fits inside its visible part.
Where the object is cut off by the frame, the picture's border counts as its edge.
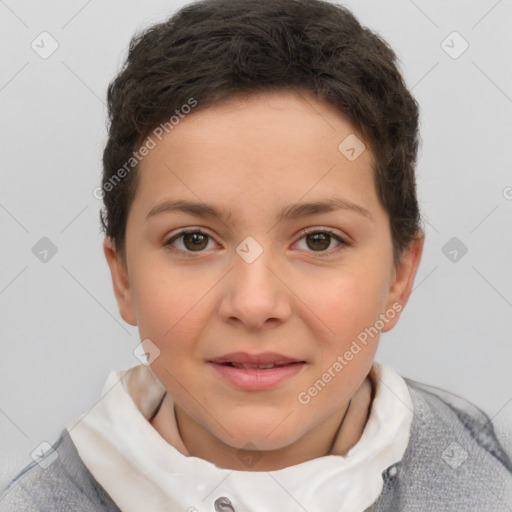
(459, 419)
(58, 482)
(453, 461)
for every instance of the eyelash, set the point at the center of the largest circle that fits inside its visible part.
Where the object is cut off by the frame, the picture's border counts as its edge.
(309, 231)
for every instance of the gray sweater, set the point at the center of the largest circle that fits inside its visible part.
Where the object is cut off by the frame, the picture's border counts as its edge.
(453, 462)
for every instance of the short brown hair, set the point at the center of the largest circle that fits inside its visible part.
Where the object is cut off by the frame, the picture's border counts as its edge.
(213, 49)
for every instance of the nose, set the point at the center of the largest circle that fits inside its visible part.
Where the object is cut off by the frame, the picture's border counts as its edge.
(255, 293)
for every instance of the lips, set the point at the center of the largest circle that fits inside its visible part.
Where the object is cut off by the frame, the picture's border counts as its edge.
(263, 361)
(256, 372)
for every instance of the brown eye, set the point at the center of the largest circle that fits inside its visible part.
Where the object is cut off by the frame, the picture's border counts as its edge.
(318, 241)
(189, 241)
(195, 241)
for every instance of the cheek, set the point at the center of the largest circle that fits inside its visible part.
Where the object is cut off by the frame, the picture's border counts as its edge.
(344, 304)
(167, 305)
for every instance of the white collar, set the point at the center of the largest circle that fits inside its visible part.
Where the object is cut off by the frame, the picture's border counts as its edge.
(142, 471)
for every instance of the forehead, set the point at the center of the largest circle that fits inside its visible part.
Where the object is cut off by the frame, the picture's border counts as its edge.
(259, 149)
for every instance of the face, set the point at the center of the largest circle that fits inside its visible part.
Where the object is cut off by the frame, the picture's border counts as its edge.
(265, 280)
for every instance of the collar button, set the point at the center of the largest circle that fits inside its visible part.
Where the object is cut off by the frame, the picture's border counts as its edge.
(223, 504)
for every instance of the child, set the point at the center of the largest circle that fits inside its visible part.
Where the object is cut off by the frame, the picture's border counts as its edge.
(243, 134)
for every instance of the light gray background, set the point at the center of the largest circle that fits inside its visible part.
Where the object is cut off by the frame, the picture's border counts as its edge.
(61, 331)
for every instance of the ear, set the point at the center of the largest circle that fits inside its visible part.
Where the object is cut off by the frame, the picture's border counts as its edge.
(121, 282)
(403, 280)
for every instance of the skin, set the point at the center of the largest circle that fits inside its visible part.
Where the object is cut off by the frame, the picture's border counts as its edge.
(254, 155)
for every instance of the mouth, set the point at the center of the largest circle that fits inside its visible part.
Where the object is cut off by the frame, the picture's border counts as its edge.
(256, 372)
(264, 359)
(248, 366)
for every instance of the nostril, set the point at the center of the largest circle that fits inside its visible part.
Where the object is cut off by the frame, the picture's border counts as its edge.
(223, 504)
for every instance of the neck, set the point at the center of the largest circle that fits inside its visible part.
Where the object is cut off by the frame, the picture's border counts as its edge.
(334, 436)
(201, 443)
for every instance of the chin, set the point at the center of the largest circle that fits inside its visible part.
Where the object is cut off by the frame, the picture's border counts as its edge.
(263, 436)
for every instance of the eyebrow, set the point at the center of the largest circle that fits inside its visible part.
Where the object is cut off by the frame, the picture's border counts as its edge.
(288, 212)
